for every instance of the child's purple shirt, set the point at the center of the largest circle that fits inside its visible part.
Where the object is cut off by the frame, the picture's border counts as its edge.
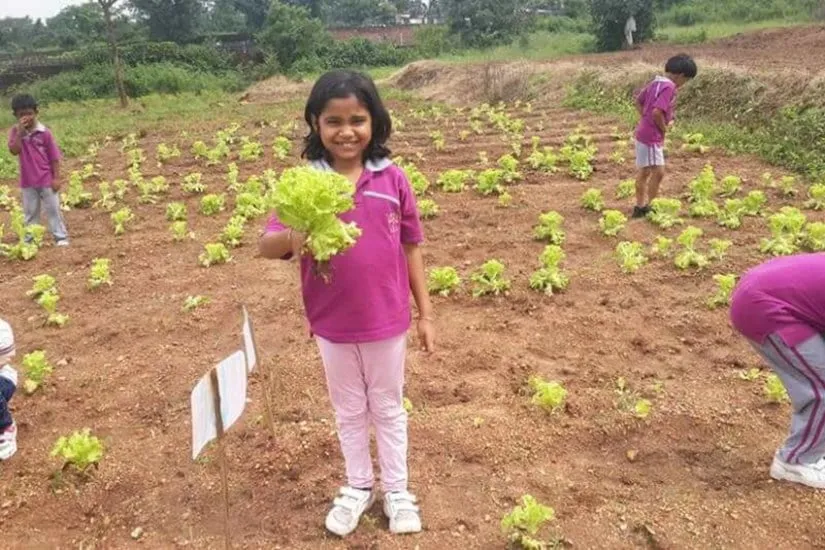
(36, 156)
(784, 296)
(659, 94)
(367, 298)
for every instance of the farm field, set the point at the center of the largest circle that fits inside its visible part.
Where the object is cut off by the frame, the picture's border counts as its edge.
(692, 472)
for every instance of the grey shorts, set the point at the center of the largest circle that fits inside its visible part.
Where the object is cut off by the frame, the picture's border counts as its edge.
(649, 155)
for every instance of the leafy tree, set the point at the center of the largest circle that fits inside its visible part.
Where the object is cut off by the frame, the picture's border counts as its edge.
(76, 25)
(223, 16)
(291, 34)
(484, 23)
(170, 20)
(23, 33)
(610, 16)
(255, 12)
(315, 7)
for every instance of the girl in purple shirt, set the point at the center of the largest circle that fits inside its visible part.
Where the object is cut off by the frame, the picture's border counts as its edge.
(361, 315)
(779, 307)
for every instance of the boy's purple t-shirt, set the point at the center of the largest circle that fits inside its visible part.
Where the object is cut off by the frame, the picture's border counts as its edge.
(36, 156)
(784, 296)
(659, 94)
(367, 298)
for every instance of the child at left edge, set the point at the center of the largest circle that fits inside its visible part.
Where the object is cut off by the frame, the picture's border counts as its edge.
(360, 315)
(8, 385)
(39, 155)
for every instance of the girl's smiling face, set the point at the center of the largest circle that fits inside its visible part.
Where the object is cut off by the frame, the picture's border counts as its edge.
(345, 128)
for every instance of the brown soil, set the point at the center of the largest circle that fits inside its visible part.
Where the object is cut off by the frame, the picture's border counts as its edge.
(698, 478)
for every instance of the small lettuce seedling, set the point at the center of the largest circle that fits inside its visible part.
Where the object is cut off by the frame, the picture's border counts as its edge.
(524, 522)
(36, 368)
(79, 450)
(592, 200)
(443, 280)
(489, 279)
(550, 396)
(213, 254)
(549, 228)
(612, 222)
(630, 256)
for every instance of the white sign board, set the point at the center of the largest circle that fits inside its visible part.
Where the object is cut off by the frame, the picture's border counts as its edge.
(232, 391)
(249, 342)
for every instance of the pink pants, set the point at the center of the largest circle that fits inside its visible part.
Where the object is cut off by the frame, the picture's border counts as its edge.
(366, 385)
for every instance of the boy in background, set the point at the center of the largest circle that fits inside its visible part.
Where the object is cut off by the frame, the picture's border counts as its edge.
(39, 158)
(655, 104)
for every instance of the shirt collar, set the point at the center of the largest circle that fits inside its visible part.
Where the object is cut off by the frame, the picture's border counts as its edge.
(371, 165)
(664, 79)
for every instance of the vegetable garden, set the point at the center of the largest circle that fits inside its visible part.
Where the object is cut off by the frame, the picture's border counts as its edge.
(587, 389)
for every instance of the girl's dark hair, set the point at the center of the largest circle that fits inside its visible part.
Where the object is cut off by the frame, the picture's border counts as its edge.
(23, 101)
(681, 64)
(341, 85)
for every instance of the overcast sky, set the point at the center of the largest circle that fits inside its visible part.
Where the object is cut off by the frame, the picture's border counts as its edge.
(34, 8)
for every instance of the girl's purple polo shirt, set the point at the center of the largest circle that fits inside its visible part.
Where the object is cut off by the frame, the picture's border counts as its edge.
(367, 297)
(784, 296)
(36, 157)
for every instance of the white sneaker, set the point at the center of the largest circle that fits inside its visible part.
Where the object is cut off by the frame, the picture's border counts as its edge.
(64, 242)
(347, 509)
(812, 475)
(8, 442)
(403, 513)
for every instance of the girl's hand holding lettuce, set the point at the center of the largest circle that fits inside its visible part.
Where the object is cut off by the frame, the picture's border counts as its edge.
(309, 201)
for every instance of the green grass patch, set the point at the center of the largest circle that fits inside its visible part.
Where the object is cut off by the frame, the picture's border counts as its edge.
(538, 46)
(705, 32)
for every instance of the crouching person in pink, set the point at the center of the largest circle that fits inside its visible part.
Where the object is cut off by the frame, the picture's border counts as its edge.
(360, 313)
(779, 307)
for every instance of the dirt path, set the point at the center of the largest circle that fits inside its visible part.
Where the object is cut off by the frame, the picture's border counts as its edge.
(776, 50)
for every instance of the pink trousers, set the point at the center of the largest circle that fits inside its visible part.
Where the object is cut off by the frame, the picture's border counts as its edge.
(366, 386)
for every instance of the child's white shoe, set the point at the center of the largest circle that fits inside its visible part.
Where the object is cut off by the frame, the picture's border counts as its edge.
(8, 442)
(812, 475)
(347, 509)
(403, 513)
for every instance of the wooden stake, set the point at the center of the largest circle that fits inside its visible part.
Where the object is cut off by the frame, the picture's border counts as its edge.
(216, 399)
(267, 379)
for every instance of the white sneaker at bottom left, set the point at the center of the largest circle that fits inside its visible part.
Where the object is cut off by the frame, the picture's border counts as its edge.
(812, 475)
(347, 509)
(8, 442)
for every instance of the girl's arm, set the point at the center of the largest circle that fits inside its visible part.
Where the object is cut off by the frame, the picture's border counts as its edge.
(418, 286)
(280, 245)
